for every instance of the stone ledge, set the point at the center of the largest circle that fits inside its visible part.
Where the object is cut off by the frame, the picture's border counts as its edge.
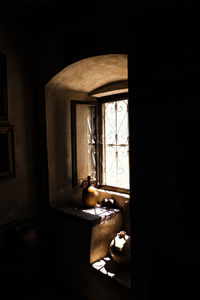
(93, 215)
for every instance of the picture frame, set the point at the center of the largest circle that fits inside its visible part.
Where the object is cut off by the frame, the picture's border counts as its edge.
(3, 89)
(7, 159)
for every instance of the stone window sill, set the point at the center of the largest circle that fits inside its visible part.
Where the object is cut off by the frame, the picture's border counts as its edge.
(120, 198)
(93, 215)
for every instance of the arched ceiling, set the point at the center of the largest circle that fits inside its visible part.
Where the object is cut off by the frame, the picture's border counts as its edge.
(91, 73)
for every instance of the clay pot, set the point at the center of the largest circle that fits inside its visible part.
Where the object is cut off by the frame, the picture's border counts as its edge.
(90, 196)
(120, 248)
(108, 202)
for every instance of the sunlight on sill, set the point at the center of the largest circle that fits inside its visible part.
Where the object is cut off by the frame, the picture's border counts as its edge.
(114, 193)
(100, 211)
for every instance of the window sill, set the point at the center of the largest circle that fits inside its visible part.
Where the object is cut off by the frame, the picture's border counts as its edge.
(93, 215)
(121, 194)
(121, 199)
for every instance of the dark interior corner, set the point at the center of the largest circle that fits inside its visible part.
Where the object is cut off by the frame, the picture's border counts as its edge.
(45, 250)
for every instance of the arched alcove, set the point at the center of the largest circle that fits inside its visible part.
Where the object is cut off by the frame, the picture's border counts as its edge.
(84, 80)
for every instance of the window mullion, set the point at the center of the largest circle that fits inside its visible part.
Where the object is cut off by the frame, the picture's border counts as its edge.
(99, 145)
(116, 142)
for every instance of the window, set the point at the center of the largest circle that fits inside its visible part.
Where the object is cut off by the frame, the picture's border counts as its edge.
(115, 144)
(100, 142)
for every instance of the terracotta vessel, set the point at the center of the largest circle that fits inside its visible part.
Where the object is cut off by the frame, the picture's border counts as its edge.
(89, 195)
(120, 248)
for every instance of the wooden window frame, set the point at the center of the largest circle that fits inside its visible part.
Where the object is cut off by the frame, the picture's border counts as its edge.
(73, 139)
(100, 101)
(99, 145)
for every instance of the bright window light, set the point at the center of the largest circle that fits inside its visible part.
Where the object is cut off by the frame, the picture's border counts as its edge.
(116, 144)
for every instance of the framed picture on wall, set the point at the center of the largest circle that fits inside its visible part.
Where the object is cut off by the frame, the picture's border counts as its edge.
(3, 89)
(7, 161)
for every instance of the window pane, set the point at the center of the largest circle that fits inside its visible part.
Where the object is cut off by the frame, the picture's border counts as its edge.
(122, 122)
(86, 141)
(110, 123)
(110, 166)
(116, 144)
(123, 168)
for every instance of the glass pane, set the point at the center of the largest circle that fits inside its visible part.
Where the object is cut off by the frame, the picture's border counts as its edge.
(122, 122)
(86, 141)
(110, 166)
(110, 121)
(116, 144)
(123, 167)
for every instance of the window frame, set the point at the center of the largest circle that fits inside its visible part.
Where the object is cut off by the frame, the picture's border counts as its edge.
(73, 138)
(99, 145)
(100, 101)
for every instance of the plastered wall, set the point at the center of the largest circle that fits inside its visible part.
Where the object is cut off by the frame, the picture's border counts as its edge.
(18, 195)
(58, 118)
